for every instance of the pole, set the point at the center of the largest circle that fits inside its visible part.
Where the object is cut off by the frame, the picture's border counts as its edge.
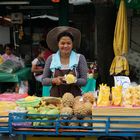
(63, 13)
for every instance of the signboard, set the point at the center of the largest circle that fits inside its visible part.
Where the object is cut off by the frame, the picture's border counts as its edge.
(123, 81)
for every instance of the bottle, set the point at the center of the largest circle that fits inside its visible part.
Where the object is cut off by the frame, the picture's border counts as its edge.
(23, 87)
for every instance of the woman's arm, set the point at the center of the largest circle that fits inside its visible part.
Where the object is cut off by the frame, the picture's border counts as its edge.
(35, 68)
(47, 74)
(82, 70)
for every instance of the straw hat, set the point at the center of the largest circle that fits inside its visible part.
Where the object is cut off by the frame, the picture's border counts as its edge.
(53, 34)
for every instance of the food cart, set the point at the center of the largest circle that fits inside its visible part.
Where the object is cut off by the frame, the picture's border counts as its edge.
(123, 121)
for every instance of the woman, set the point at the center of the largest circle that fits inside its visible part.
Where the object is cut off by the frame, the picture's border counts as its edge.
(8, 55)
(48, 52)
(17, 64)
(38, 65)
(64, 61)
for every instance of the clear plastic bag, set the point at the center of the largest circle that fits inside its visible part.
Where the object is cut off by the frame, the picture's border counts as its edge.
(10, 66)
(23, 88)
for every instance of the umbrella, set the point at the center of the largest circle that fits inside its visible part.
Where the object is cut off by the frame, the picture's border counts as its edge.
(120, 43)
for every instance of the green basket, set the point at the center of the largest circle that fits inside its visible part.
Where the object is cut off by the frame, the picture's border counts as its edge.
(23, 103)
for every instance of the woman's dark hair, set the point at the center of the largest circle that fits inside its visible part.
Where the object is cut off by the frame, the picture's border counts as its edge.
(43, 44)
(41, 49)
(65, 34)
(9, 45)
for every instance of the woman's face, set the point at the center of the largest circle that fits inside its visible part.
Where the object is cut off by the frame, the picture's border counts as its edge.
(42, 54)
(8, 51)
(65, 45)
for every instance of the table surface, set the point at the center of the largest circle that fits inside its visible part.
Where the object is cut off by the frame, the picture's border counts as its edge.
(22, 74)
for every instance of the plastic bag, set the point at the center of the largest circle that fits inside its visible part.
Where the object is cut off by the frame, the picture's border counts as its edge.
(10, 66)
(23, 88)
(11, 96)
(21, 61)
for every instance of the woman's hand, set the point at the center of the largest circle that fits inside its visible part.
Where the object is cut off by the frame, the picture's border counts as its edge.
(58, 80)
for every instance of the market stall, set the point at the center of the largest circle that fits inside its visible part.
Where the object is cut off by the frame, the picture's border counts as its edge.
(111, 114)
(49, 118)
(76, 116)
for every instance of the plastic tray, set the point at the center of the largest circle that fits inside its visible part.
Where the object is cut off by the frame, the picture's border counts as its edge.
(23, 103)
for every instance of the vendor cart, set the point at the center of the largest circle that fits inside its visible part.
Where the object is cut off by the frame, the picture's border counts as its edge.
(119, 125)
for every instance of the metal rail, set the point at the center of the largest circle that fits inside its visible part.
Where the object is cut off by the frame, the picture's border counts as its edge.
(53, 125)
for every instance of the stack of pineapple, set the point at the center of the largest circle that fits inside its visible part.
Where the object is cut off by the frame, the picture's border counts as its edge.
(68, 107)
(104, 98)
(78, 108)
(132, 96)
(116, 97)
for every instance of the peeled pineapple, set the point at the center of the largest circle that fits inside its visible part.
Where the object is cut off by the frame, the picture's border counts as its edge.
(132, 96)
(128, 97)
(136, 96)
(117, 95)
(103, 98)
(30, 98)
(70, 78)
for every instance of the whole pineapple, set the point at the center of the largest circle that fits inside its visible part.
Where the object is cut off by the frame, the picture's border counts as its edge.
(80, 110)
(88, 97)
(67, 100)
(66, 112)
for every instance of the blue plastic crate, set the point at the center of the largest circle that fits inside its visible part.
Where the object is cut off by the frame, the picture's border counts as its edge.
(46, 91)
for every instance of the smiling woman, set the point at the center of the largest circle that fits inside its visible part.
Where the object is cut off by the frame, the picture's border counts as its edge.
(65, 44)
(65, 61)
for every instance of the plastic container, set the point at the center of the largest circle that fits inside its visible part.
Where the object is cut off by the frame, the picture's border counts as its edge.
(12, 96)
(7, 105)
(46, 91)
(23, 103)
